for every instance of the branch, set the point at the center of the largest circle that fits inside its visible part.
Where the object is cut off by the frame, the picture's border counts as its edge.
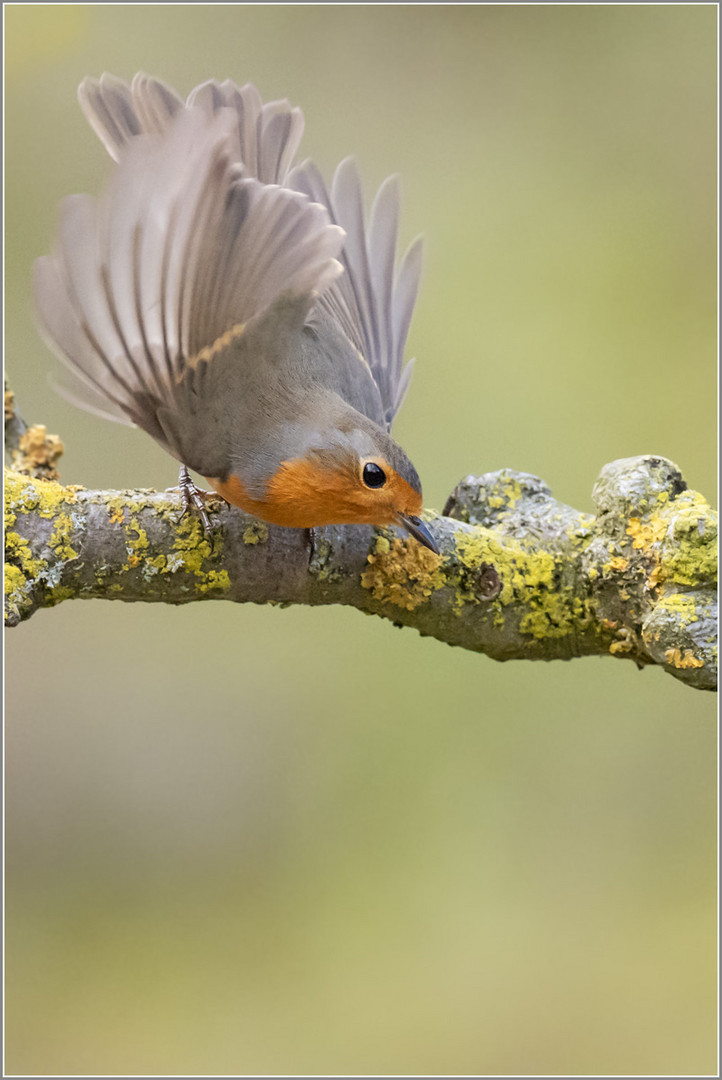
(521, 576)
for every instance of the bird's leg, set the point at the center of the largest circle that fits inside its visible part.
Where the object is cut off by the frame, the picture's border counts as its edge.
(192, 497)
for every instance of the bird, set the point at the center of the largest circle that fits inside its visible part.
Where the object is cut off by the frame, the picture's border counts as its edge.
(249, 318)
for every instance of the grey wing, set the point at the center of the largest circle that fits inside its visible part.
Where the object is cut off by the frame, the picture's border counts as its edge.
(155, 278)
(371, 303)
(268, 134)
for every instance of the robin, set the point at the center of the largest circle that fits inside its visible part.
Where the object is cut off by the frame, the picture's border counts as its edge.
(235, 308)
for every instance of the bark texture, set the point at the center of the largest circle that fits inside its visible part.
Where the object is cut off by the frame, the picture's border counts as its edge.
(521, 576)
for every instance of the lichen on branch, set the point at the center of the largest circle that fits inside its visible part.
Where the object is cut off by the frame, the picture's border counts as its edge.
(520, 576)
(31, 449)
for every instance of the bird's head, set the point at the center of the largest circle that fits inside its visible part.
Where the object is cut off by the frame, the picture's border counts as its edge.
(354, 474)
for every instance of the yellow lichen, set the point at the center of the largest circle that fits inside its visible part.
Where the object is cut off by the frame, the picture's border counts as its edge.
(682, 658)
(24, 569)
(156, 564)
(645, 532)
(38, 452)
(214, 580)
(59, 593)
(530, 579)
(136, 538)
(51, 500)
(191, 546)
(255, 533)
(402, 573)
(626, 642)
(17, 549)
(657, 576)
(25, 494)
(682, 605)
(60, 537)
(678, 540)
(476, 550)
(510, 489)
(14, 579)
(691, 558)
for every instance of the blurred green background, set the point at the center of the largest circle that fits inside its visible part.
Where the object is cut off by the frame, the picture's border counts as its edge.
(243, 840)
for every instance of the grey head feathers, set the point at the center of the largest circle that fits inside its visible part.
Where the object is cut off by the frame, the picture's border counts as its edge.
(351, 437)
(366, 441)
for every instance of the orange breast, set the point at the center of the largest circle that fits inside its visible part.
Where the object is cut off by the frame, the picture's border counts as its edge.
(302, 494)
(234, 492)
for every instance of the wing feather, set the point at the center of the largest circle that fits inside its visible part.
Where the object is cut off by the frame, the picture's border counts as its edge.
(268, 134)
(178, 251)
(204, 225)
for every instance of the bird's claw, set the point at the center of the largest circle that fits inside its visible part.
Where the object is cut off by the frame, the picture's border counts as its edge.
(192, 497)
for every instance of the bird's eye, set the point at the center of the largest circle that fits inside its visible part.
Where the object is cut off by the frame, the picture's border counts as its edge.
(373, 475)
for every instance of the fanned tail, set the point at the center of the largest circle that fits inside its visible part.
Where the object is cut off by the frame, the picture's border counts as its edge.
(371, 303)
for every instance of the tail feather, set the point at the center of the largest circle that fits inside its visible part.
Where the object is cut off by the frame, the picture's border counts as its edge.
(371, 306)
(382, 231)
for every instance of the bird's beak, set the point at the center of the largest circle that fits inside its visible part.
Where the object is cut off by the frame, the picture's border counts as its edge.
(419, 531)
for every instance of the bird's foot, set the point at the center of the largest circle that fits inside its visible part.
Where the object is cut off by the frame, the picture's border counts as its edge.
(193, 499)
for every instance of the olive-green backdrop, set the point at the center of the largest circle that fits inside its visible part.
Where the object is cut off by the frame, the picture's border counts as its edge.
(243, 840)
